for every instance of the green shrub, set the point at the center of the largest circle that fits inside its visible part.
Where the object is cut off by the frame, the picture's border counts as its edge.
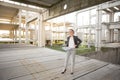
(81, 50)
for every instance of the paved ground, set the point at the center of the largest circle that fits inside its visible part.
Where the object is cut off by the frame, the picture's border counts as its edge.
(45, 64)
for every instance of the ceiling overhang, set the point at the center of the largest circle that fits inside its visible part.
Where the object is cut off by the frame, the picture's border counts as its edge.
(40, 3)
(8, 12)
(4, 26)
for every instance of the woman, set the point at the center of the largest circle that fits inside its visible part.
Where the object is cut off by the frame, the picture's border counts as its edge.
(72, 43)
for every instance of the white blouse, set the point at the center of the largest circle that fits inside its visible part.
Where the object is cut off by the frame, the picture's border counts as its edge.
(71, 43)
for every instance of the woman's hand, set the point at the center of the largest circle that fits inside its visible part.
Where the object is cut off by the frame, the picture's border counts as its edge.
(75, 46)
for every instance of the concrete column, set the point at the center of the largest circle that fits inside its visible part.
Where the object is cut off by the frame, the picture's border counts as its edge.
(98, 30)
(51, 33)
(65, 36)
(119, 18)
(26, 28)
(35, 34)
(76, 24)
(119, 35)
(89, 38)
(58, 34)
(15, 35)
(111, 35)
(41, 31)
(26, 34)
(89, 34)
(103, 33)
(108, 35)
(115, 35)
(111, 17)
(20, 20)
(23, 33)
(31, 34)
(11, 34)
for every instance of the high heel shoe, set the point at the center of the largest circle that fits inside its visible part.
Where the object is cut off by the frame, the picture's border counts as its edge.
(71, 73)
(63, 71)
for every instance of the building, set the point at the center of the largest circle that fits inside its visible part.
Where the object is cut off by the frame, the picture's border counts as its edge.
(31, 29)
(38, 22)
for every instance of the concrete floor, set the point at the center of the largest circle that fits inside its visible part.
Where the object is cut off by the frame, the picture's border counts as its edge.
(46, 64)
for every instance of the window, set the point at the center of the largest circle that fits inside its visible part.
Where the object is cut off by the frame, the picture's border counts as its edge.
(117, 17)
(83, 18)
(93, 20)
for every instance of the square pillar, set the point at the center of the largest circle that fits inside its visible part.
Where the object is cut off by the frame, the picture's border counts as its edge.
(35, 34)
(26, 29)
(51, 33)
(98, 30)
(119, 18)
(11, 34)
(112, 35)
(15, 35)
(20, 21)
(103, 33)
(41, 31)
(26, 34)
(115, 35)
(65, 29)
(108, 35)
(119, 35)
(111, 17)
(89, 34)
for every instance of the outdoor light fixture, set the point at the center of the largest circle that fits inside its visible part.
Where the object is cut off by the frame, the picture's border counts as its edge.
(109, 10)
(116, 8)
(65, 6)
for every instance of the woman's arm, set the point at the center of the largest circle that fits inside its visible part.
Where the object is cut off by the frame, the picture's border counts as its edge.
(78, 41)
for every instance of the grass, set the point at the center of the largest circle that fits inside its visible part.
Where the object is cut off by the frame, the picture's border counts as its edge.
(85, 49)
(81, 50)
(56, 47)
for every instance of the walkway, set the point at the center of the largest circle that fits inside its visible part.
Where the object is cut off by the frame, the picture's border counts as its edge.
(46, 64)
